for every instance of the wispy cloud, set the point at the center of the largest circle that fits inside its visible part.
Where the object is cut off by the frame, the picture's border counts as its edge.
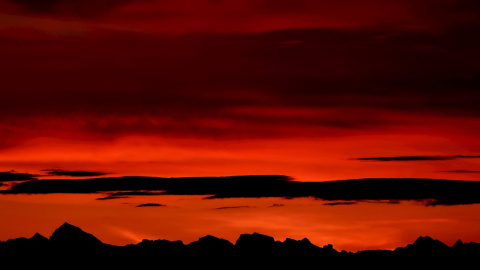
(414, 158)
(461, 171)
(150, 205)
(111, 198)
(78, 8)
(233, 207)
(59, 172)
(339, 203)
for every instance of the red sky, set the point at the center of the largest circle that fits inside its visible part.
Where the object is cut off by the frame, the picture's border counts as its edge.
(213, 88)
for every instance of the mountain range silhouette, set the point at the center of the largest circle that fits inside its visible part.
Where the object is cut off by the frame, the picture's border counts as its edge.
(71, 244)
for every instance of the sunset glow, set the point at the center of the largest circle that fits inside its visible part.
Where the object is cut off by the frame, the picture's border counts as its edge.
(314, 90)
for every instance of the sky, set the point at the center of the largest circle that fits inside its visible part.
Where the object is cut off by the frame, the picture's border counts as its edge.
(312, 90)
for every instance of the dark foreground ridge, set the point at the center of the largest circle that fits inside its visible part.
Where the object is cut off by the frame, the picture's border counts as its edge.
(70, 244)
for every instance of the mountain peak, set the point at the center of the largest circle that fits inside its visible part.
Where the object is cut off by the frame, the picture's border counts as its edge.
(67, 228)
(211, 242)
(255, 241)
(72, 236)
(67, 225)
(426, 242)
(158, 244)
(458, 244)
(298, 244)
(38, 237)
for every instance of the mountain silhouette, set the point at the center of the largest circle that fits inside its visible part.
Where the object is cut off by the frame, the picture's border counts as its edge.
(255, 241)
(458, 244)
(71, 236)
(69, 245)
(158, 244)
(211, 242)
(297, 244)
(425, 244)
(18, 243)
(38, 240)
(466, 246)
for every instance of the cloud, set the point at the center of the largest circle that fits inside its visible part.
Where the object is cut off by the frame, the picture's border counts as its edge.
(233, 207)
(461, 171)
(14, 176)
(415, 158)
(135, 193)
(339, 203)
(40, 6)
(150, 205)
(277, 205)
(58, 172)
(127, 194)
(112, 198)
(259, 15)
(237, 85)
(426, 191)
(77, 8)
(167, 186)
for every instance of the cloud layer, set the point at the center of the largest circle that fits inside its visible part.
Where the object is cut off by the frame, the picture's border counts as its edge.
(255, 15)
(239, 86)
(427, 191)
(83, 77)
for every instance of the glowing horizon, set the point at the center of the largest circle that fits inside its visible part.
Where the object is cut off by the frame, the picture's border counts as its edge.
(313, 90)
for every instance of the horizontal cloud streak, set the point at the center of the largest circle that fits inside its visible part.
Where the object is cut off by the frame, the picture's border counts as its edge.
(414, 158)
(77, 8)
(256, 15)
(339, 203)
(233, 207)
(150, 205)
(461, 171)
(427, 191)
(58, 172)
(14, 176)
(111, 198)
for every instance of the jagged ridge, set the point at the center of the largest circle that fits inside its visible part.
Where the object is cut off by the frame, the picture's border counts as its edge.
(70, 236)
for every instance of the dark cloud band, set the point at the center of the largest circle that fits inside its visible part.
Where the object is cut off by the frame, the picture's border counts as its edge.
(414, 158)
(427, 191)
(58, 172)
(150, 205)
(233, 207)
(14, 176)
(77, 8)
(461, 171)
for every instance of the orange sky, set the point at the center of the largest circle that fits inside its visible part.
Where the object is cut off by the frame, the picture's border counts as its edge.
(218, 88)
(186, 218)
